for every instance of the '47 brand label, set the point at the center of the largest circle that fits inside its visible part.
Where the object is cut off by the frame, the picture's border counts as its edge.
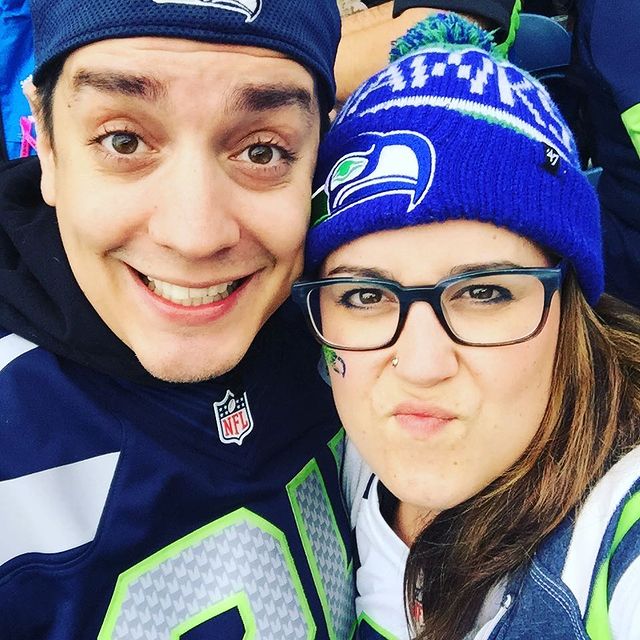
(233, 418)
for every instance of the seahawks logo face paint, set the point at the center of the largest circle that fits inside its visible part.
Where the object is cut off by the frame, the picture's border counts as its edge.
(334, 361)
(399, 162)
(250, 9)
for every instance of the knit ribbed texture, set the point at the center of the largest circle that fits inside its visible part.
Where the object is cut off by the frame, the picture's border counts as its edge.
(450, 132)
(443, 29)
(307, 32)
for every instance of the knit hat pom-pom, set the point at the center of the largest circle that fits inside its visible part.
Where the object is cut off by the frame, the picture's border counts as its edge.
(444, 28)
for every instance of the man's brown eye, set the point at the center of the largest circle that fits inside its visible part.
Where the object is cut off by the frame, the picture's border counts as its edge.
(124, 143)
(261, 154)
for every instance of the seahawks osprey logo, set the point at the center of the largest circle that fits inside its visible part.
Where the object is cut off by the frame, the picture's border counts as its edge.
(248, 8)
(399, 162)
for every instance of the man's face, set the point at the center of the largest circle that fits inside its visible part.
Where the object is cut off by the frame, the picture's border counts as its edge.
(181, 175)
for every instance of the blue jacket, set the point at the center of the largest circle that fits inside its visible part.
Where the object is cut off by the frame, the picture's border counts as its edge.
(548, 599)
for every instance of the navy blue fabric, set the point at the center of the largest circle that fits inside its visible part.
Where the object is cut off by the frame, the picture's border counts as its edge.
(621, 256)
(540, 604)
(627, 551)
(608, 64)
(60, 396)
(366, 632)
(16, 63)
(540, 607)
(85, 396)
(174, 475)
(308, 32)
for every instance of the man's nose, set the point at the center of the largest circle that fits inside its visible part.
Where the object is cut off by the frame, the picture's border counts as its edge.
(193, 212)
(426, 354)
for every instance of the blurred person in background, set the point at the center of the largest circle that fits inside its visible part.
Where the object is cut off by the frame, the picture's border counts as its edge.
(607, 68)
(367, 35)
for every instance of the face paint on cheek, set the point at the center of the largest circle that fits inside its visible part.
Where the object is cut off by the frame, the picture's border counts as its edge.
(340, 366)
(334, 361)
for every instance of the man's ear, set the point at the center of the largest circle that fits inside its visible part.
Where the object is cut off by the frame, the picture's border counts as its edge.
(44, 145)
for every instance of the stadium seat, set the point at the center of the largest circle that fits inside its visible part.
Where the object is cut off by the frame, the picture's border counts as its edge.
(593, 175)
(542, 47)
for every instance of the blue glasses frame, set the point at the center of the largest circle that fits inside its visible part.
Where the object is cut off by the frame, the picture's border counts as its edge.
(550, 277)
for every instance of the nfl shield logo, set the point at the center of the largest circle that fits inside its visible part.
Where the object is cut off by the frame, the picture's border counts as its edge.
(233, 418)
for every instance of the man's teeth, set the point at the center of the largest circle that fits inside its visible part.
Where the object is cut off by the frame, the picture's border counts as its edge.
(191, 296)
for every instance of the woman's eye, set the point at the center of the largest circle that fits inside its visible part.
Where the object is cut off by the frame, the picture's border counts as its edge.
(362, 297)
(123, 143)
(483, 293)
(486, 293)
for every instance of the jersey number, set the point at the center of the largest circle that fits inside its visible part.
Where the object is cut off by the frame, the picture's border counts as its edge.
(241, 561)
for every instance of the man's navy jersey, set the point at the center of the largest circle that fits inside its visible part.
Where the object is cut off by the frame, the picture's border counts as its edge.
(207, 510)
(132, 508)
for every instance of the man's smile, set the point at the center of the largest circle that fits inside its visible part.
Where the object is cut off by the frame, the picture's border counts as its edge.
(191, 296)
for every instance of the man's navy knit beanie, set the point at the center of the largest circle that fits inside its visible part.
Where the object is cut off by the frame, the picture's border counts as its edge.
(452, 131)
(306, 31)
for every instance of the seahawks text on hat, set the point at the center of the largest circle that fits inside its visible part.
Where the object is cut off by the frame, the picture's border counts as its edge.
(517, 102)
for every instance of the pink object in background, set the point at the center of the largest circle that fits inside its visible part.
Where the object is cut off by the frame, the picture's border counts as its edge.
(28, 136)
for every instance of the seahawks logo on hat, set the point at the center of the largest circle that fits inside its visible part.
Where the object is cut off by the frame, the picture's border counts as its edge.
(249, 8)
(398, 162)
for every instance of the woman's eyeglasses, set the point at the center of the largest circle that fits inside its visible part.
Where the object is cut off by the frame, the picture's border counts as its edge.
(481, 309)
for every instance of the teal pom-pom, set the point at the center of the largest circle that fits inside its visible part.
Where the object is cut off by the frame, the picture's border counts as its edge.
(443, 29)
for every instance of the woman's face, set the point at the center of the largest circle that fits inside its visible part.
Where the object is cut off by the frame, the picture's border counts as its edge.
(447, 419)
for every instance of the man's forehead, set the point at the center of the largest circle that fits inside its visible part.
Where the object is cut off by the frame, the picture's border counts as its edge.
(157, 46)
(260, 80)
(126, 54)
(179, 44)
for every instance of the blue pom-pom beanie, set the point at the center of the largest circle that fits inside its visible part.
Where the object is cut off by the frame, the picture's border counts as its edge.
(450, 131)
(306, 31)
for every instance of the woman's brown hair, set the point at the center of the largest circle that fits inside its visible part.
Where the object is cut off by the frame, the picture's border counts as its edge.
(591, 420)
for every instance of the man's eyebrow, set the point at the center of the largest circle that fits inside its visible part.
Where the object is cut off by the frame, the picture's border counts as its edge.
(116, 82)
(270, 97)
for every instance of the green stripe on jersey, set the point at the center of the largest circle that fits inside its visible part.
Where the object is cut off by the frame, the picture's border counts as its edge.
(631, 121)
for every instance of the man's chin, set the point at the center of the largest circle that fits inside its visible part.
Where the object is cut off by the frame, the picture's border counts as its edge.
(185, 371)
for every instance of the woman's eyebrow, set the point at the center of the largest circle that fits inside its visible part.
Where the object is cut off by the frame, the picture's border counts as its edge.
(482, 266)
(373, 272)
(361, 272)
